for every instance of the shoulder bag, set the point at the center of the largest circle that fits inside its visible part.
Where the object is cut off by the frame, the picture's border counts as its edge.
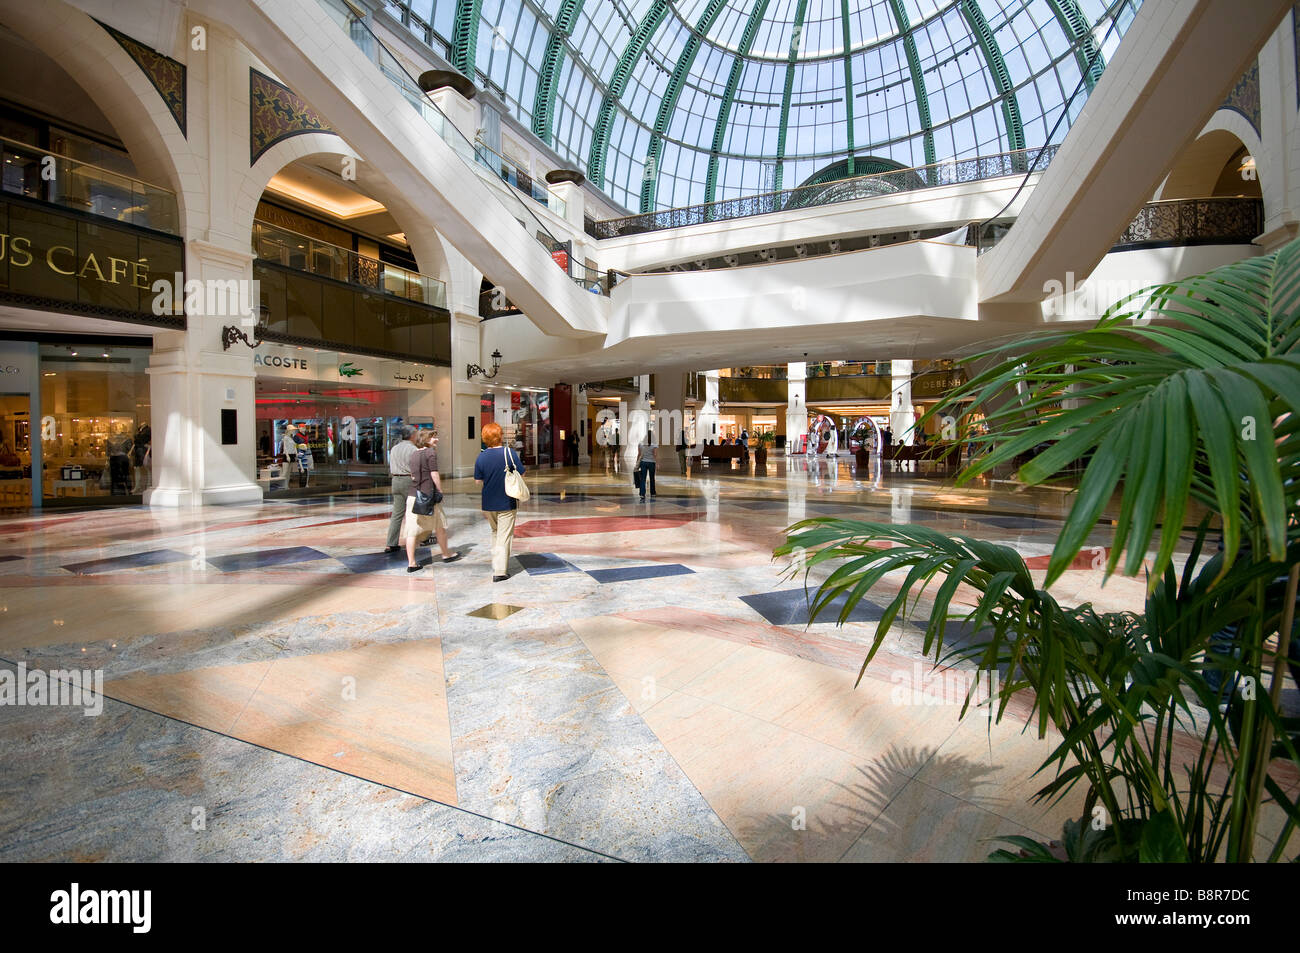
(424, 504)
(515, 485)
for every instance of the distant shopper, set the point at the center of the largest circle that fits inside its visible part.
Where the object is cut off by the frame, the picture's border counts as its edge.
(498, 506)
(646, 458)
(424, 479)
(399, 468)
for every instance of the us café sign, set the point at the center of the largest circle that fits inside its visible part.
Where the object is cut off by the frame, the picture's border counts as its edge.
(308, 364)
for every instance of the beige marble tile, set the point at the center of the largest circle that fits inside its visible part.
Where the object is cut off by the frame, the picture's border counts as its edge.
(640, 693)
(924, 825)
(44, 616)
(208, 697)
(821, 702)
(784, 796)
(670, 657)
(993, 766)
(378, 712)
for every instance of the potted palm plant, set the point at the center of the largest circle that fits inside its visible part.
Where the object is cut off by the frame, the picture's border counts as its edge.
(765, 440)
(1192, 419)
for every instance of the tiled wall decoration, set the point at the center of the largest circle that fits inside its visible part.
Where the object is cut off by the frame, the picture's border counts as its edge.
(166, 74)
(275, 114)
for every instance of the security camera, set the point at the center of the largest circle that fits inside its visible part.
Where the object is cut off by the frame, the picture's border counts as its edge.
(731, 260)
(801, 250)
(835, 245)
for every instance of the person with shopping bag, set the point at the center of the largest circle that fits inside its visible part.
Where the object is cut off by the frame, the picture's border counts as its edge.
(500, 472)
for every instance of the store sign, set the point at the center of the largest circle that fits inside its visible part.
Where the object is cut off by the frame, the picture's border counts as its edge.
(311, 365)
(561, 258)
(18, 361)
(277, 360)
(64, 260)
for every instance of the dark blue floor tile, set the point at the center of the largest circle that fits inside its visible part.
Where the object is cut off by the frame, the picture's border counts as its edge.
(790, 607)
(544, 564)
(629, 573)
(154, 557)
(266, 557)
(380, 562)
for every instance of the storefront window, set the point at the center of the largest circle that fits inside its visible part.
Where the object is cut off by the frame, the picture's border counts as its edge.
(95, 431)
(15, 450)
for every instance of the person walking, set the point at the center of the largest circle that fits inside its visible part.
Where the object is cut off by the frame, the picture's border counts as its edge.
(399, 467)
(424, 479)
(646, 458)
(498, 506)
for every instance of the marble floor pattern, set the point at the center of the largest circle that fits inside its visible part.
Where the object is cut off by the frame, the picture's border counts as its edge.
(279, 689)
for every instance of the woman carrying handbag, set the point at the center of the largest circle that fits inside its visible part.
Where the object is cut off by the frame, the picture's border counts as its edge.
(499, 471)
(424, 504)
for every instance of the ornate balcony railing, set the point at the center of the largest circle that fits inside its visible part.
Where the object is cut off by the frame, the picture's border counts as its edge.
(952, 172)
(1211, 221)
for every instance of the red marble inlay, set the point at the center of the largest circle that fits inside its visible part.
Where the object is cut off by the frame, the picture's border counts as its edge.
(598, 524)
(1093, 557)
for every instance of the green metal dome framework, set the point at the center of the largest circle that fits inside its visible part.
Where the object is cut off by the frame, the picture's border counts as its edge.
(666, 104)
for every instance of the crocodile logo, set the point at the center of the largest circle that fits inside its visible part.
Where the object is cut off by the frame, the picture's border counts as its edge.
(347, 370)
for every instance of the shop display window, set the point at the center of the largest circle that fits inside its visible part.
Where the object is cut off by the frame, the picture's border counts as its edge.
(96, 439)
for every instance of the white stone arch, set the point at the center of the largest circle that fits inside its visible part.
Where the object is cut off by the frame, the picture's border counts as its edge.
(1202, 161)
(124, 94)
(420, 234)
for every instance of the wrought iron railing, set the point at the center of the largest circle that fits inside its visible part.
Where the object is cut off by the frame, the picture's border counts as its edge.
(952, 172)
(1207, 221)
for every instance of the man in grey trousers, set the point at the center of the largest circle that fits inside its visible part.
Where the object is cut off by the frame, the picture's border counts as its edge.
(399, 465)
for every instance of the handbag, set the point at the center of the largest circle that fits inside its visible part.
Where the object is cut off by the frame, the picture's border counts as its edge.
(515, 485)
(424, 503)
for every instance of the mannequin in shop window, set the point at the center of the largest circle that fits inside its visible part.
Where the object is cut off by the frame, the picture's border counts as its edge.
(305, 462)
(119, 463)
(140, 457)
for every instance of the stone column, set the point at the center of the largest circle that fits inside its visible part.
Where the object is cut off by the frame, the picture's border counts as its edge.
(462, 112)
(634, 422)
(796, 403)
(581, 421)
(706, 421)
(670, 419)
(575, 202)
(901, 415)
(193, 379)
(462, 439)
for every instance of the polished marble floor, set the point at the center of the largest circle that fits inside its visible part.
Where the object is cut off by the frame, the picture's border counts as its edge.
(644, 686)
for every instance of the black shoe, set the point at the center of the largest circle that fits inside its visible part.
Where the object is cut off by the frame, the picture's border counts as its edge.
(500, 578)
(452, 558)
(414, 568)
(391, 549)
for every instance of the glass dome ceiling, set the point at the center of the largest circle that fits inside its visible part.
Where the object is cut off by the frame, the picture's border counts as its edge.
(664, 103)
